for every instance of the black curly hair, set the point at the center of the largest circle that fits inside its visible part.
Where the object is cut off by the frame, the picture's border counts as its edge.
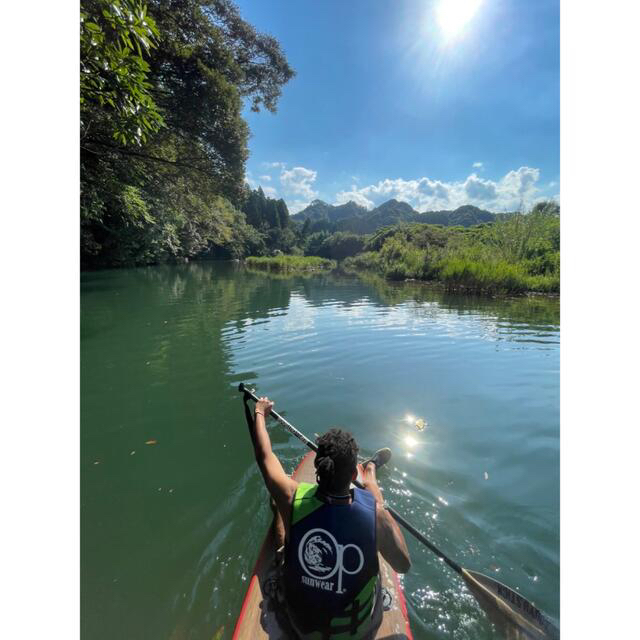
(336, 459)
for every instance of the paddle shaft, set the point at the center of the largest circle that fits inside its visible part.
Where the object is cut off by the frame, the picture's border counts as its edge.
(396, 516)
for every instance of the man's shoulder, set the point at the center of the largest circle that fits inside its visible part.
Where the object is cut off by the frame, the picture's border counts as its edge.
(365, 497)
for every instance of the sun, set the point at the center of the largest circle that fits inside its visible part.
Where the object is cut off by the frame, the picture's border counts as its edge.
(454, 15)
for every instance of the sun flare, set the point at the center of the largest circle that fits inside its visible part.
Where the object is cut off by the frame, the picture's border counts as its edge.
(454, 15)
(410, 442)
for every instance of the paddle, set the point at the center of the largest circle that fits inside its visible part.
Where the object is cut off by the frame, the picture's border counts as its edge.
(498, 600)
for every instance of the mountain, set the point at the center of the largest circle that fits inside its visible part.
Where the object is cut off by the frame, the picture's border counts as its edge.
(466, 216)
(319, 210)
(390, 212)
(355, 218)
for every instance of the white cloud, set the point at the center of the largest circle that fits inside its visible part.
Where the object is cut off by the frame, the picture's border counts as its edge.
(265, 178)
(274, 165)
(478, 165)
(295, 206)
(517, 188)
(479, 189)
(299, 181)
(521, 181)
(297, 184)
(345, 196)
(433, 188)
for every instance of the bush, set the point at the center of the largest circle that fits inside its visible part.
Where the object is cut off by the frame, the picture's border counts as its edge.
(314, 243)
(290, 263)
(496, 277)
(512, 255)
(341, 245)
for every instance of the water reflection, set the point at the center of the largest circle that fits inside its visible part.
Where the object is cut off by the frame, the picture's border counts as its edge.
(415, 307)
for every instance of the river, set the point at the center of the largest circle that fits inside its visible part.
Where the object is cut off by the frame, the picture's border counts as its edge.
(173, 508)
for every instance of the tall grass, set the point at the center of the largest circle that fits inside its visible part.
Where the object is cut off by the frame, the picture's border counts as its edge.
(507, 257)
(286, 263)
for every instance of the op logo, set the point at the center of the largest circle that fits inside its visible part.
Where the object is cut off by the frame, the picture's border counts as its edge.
(321, 556)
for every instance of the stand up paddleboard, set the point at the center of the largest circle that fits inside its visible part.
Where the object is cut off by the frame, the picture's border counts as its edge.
(257, 619)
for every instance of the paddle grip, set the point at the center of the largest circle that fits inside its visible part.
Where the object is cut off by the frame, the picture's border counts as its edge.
(242, 388)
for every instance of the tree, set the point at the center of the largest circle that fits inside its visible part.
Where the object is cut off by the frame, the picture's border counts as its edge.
(151, 192)
(282, 213)
(314, 243)
(115, 38)
(207, 61)
(342, 245)
(265, 213)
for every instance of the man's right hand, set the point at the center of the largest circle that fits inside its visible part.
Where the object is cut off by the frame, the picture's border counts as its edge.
(263, 406)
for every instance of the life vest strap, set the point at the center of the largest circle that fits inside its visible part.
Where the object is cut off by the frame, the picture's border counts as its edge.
(351, 627)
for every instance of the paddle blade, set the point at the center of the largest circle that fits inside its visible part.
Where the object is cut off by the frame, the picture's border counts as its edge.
(382, 456)
(508, 609)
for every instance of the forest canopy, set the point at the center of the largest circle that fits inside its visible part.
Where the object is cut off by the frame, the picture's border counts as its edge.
(163, 141)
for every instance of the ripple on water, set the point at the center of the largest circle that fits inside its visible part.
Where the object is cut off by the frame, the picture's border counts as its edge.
(481, 482)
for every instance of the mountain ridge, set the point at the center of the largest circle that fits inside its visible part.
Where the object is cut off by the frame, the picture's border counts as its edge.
(353, 217)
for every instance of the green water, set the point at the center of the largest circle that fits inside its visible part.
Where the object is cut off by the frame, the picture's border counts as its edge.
(170, 531)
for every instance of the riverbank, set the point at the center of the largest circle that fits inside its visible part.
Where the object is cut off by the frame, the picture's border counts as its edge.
(451, 274)
(514, 256)
(456, 273)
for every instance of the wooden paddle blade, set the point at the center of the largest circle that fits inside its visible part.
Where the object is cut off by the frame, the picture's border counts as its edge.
(507, 608)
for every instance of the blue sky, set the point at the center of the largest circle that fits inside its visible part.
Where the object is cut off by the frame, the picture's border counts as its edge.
(437, 103)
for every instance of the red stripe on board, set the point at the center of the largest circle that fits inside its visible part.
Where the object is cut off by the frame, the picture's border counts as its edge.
(403, 604)
(245, 603)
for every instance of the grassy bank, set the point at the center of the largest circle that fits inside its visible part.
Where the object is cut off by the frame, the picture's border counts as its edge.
(290, 264)
(514, 256)
(456, 271)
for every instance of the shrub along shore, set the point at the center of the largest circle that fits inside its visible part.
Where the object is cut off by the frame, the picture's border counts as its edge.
(285, 263)
(516, 255)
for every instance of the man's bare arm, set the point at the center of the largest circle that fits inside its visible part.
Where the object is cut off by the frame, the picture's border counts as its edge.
(281, 487)
(391, 542)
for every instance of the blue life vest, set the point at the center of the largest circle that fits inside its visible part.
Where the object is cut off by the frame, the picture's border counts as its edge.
(331, 564)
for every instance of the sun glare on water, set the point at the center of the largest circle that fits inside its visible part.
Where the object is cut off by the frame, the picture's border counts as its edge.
(454, 15)
(410, 442)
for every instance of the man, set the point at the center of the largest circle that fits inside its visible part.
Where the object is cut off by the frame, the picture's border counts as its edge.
(332, 535)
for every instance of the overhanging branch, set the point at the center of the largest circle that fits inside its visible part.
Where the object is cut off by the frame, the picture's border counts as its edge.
(146, 156)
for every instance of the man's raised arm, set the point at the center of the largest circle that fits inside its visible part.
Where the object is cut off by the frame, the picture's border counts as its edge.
(279, 484)
(391, 543)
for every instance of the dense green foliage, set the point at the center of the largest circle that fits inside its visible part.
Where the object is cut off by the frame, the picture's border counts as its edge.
(163, 141)
(284, 263)
(263, 212)
(513, 255)
(336, 246)
(114, 86)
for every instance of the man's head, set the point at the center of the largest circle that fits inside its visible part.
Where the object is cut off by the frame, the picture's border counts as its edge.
(336, 460)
